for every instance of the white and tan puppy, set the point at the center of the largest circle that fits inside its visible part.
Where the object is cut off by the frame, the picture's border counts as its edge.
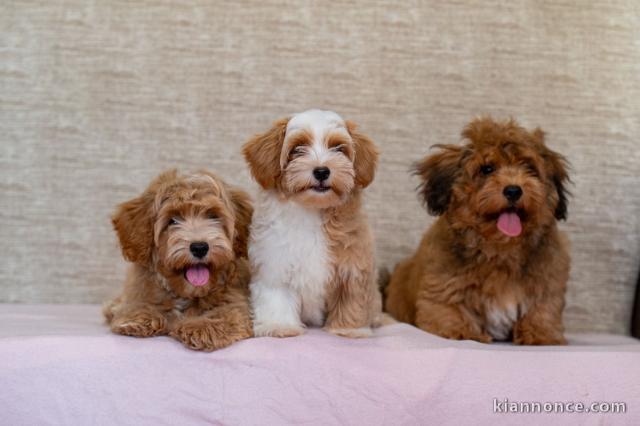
(311, 249)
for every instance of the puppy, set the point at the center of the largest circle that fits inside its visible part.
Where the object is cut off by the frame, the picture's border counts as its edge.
(494, 265)
(186, 236)
(311, 249)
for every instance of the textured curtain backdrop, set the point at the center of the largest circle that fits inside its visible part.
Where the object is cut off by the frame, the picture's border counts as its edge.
(97, 97)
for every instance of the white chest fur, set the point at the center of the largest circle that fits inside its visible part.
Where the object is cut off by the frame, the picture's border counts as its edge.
(500, 320)
(290, 263)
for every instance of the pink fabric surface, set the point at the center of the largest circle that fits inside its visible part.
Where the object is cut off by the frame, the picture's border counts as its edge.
(60, 365)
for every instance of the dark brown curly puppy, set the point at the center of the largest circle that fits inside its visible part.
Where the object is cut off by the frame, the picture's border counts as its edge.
(494, 264)
(187, 238)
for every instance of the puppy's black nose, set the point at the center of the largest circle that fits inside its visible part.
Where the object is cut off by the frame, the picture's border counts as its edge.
(199, 249)
(512, 192)
(321, 173)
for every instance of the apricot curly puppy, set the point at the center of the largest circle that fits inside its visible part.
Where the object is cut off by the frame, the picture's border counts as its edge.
(187, 238)
(494, 265)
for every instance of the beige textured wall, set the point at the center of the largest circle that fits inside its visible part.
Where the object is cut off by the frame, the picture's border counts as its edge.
(97, 97)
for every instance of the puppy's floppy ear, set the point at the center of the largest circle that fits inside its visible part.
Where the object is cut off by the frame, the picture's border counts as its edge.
(366, 156)
(262, 153)
(557, 169)
(438, 173)
(133, 222)
(243, 212)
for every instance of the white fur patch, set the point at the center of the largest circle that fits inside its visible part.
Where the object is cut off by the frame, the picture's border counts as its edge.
(500, 320)
(290, 265)
(317, 121)
(181, 304)
(319, 124)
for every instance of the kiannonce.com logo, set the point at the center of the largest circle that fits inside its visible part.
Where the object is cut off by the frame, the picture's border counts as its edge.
(504, 406)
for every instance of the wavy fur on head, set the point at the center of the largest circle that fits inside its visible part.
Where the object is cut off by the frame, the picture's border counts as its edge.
(494, 265)
(311, 248)
(180, 225)
(284, 158)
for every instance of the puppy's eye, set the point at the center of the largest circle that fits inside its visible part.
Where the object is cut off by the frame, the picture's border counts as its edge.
(339, 148)
(486, 169)
(174, 221)
(532, 169)
(212, 216)
(297, 151)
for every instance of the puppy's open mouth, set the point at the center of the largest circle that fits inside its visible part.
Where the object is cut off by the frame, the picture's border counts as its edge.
(510, 221)
(320, 188)
(197, 275)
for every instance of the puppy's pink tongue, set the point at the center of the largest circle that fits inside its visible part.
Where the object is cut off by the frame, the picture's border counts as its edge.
(197, 275)
(509, 224)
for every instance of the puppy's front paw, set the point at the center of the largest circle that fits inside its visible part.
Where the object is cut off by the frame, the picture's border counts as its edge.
(353, 333)
(277, 330)
(143, 324)
(201, 334)
(539, 339)
(528, 331)
(457, 331)
(468, 335)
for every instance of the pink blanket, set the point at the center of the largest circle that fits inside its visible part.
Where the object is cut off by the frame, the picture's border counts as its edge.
(60, 365)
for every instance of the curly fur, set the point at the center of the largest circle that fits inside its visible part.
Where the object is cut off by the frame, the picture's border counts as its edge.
(311, 250)
(155, 231)
(468, 280)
